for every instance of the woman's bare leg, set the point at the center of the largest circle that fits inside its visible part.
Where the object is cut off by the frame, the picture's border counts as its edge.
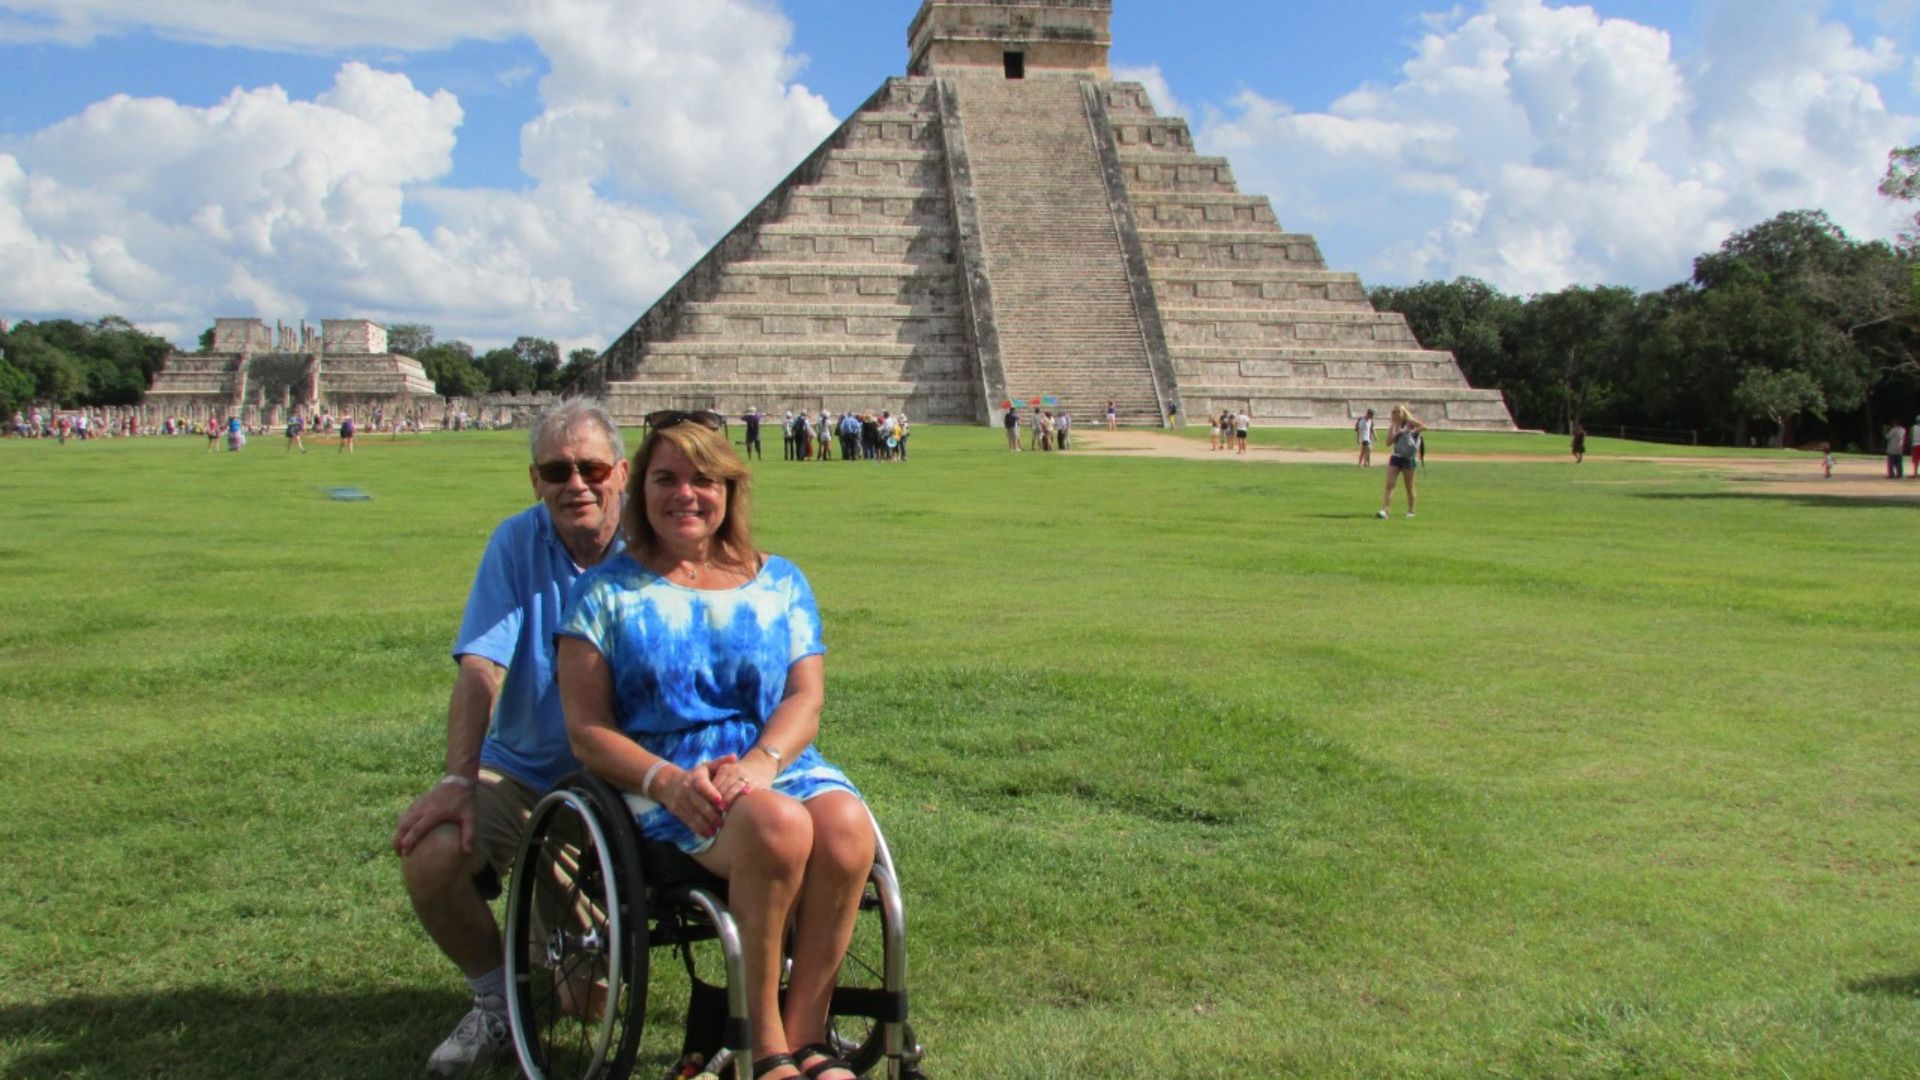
(762, 851)
(843, 847)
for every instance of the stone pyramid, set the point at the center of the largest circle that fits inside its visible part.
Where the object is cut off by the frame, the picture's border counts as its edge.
(1008, 222)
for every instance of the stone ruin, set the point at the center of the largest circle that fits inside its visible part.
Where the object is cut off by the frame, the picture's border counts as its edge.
(264, 374)
(1007, 222)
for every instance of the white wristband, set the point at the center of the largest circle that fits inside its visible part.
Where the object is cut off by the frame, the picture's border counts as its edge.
(646, 782)
(455, 778)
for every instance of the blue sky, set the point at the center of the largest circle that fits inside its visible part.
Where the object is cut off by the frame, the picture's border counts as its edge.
(549, 166)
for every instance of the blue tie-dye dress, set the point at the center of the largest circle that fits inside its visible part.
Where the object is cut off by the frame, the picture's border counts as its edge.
(696, 673)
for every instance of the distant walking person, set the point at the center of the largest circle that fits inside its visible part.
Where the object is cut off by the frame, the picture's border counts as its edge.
(1403, 433)
(346, 434)
(1061, 424)
(1896, 450)
(1363, 434)
(294, 426)
(1913, 446)
(1113, 418)
(1579, 444)
(236, 434)
(1012, 423)
(1241, 422)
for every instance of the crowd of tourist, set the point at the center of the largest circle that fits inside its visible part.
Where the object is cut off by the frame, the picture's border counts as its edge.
(1046, 429)
(821, 436)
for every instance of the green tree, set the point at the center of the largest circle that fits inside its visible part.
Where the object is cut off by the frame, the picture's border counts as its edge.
(506, 371)
(450, 365)
(542, 357)
(1466, 317)
(16, 390)
(1569, 347)
(410, 339)
(1778, 396)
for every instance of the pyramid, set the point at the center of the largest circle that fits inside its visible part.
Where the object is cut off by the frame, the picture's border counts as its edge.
(1008, 222)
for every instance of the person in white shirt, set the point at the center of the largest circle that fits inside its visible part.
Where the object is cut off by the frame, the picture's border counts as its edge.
(1363, 431)
(1896, 450)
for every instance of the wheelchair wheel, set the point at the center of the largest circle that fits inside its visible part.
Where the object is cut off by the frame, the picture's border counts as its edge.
(577, 940)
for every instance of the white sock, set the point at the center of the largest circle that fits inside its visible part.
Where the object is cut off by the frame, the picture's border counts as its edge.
(493, 984)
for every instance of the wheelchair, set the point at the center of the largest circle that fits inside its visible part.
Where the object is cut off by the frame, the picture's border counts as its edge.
(590, 903)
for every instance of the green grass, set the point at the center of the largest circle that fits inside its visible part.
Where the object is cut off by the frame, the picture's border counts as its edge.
(1190, 769)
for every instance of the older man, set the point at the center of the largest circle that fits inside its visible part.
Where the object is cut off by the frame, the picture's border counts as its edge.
(506, 738)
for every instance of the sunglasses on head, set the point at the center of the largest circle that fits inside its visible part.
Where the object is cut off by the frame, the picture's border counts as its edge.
(557, 472)
(667, 418)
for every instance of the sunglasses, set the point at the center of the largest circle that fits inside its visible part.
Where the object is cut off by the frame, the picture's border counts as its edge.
(667, 418)
(558, 472)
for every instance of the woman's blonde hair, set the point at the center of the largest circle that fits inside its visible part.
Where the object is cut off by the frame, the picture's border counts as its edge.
(1401, 414)
(713, 456)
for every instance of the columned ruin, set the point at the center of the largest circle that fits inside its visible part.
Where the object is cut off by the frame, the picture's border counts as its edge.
(264, 374)
(1007, 222)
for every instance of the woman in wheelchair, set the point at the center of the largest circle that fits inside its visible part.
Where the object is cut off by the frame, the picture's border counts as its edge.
(690, 669)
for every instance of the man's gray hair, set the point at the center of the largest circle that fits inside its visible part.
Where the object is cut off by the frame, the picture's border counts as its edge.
(560, 419)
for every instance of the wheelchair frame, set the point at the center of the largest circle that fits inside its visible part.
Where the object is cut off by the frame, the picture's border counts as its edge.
(589, 900)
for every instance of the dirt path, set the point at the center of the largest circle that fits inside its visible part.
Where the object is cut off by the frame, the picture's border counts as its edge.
(1852, 477)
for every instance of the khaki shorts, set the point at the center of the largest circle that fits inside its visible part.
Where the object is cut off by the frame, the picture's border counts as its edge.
(501, 806)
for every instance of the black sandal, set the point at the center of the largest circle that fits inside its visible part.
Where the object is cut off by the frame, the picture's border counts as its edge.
(828, 1060)
(765, 1065)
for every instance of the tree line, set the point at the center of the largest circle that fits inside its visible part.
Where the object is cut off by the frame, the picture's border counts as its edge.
(75, 365)
(1790, 331)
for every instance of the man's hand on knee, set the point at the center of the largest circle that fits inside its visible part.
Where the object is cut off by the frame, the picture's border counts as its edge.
(443, 804)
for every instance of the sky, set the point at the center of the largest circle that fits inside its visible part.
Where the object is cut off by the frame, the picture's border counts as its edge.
(549, 167)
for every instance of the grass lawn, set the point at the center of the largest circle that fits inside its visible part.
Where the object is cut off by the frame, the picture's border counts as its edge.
(1191, 769)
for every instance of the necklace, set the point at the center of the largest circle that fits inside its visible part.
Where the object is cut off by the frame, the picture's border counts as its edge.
(693, 572)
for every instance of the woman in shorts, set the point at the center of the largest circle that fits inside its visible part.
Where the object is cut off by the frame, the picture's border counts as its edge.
(1403, 434)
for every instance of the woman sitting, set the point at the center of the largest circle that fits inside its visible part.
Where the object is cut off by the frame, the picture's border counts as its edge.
(690, 667)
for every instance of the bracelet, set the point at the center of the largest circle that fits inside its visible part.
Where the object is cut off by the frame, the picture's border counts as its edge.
(779, 759)
(646, 782)
(467, 782)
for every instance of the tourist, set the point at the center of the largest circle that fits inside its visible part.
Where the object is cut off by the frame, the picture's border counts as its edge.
(1012, 423)
(294, 427)
(1241, 422)
(1579, 444)
(1403, 435)
(1896, 450)
(1363, 433)
(1913, 446)
(236, 434)
(722, 753)
(346, 434)
(1062, 427)
(1213, 433)
(1113, 418)
(802, 437)
(905, 430)
(506, 738)
(849, 437)
(1826, 459)
(823, 437)
(752, 420)
(1039, 429)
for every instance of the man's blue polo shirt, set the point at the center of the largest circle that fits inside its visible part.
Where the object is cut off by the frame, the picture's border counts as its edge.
(512, 610)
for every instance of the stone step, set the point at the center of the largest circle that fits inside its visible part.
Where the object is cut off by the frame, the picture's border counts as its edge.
(1168, 249)
(1340, 406)
(1201, 211)
(851, 283)
(924, 401)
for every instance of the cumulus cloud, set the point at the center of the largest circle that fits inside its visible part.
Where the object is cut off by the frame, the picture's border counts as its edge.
(265, 205)
(661, 123)
(1537, 146)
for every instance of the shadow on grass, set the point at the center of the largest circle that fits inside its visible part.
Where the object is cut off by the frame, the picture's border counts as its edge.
(208, 1032)
(1830, 502)
(1898, 986)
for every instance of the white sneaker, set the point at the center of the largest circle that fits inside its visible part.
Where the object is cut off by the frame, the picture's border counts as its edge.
(1381, 514)
(480, 1039)
(1409, 513)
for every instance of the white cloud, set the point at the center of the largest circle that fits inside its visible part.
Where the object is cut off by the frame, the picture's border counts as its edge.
(662, 123)
(1537, 146)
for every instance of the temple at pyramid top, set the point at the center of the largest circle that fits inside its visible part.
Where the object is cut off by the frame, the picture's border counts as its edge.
(1015, 39)
(1007, 223)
